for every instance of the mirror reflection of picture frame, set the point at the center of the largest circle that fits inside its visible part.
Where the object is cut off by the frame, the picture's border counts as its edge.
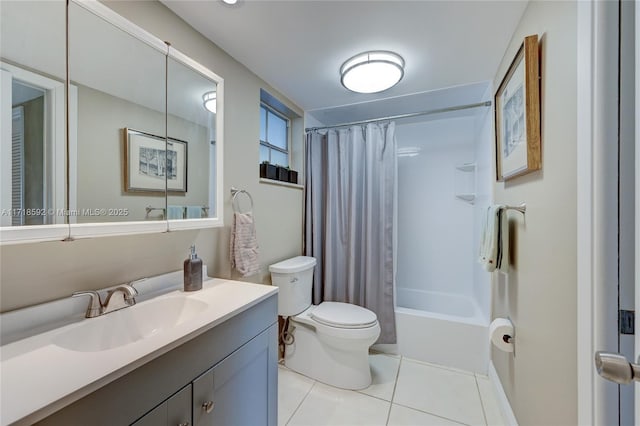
(517, 115)
(147, 163)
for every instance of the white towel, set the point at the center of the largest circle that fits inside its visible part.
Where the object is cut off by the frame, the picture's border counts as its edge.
(244, 245)
(175, 212)
(194, 212)
(494, 242)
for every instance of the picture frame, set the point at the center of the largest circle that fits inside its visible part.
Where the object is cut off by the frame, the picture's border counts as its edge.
(517, 115)
(147, 167)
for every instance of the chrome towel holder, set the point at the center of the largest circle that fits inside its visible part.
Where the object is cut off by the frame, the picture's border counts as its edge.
(236, 205)
(522, 208)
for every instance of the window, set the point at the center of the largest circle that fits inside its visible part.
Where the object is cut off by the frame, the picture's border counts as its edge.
(274, 137)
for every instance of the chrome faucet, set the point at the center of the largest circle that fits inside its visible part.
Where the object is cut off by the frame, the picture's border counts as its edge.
(119, 297)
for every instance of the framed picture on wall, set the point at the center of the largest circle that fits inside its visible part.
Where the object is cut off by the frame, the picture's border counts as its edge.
(517, 114)
(148, 163)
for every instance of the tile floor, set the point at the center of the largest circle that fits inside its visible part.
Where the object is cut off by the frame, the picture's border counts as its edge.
(403, 392)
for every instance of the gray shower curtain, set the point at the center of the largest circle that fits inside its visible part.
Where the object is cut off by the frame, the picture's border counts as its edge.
(349, 208)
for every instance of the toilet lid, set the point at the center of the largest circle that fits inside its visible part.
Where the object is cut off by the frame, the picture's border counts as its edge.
(343, 315)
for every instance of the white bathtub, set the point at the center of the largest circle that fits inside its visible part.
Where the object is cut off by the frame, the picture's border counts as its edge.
(441, 328)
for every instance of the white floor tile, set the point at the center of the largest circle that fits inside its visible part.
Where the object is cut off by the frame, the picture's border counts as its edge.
(492, 410)
(403, 416)
(384, 370)
(329, 406)
(442, 392)
(445, 367)
(292, 388)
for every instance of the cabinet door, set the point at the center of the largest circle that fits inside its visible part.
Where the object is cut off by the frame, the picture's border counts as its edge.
(236, 391)
(175, 411)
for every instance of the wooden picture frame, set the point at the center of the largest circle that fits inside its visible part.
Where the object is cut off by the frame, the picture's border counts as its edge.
(517, 115)
(147, 168)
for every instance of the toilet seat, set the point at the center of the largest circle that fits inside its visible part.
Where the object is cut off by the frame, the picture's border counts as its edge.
(343, 315)
(354, 333)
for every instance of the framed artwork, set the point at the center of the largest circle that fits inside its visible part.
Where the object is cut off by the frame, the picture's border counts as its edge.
(517, 115)
(148, 163)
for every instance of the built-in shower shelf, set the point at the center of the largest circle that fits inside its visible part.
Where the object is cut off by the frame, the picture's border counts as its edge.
(466, 167)
(465, 182)
(469, 198)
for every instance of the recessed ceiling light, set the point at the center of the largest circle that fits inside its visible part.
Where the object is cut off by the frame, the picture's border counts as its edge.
(372, 72)
(230, 1)
(209, 101)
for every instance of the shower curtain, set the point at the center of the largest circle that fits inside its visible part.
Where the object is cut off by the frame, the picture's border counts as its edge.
(349, 208)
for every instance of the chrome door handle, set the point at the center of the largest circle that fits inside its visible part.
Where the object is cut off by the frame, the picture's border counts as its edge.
(616, 368)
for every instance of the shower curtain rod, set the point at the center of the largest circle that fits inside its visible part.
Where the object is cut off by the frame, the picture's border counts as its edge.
(397, 117)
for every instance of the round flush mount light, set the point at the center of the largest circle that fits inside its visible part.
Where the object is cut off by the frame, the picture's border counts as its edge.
(230, 1)
(372, 72)
(209, 101)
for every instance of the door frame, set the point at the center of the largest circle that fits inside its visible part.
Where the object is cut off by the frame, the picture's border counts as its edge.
(596, 251)
(637, 204)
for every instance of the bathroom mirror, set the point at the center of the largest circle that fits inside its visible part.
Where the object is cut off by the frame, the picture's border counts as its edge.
(138, 127)
(120, 82)
(192, 99)
(32, 121)
(143, 133)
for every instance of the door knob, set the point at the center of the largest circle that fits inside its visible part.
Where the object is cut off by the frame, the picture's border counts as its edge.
(616, 368)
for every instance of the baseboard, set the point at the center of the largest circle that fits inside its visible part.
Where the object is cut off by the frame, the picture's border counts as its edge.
(503, 401)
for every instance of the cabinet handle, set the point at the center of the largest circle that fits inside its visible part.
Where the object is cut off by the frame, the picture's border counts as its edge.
(208, 406)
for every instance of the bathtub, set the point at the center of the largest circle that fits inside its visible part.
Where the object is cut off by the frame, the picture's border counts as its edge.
(441, 328)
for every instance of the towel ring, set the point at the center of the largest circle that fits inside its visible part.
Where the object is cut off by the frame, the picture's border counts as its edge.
(236, 205)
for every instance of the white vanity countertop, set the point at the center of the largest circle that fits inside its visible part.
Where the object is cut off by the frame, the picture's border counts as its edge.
(38, 377)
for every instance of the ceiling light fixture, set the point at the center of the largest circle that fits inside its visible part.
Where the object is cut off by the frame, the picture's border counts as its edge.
(209, 101)
(230, 1)
(372, 72)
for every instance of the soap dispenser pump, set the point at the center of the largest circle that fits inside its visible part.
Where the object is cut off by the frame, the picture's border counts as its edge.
(193, 272)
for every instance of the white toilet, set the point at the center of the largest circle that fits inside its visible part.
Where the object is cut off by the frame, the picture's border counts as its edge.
(331, 340)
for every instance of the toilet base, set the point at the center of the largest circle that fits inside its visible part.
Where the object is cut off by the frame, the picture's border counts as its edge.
(337, 362)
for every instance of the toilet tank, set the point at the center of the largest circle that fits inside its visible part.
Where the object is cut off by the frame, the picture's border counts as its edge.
(294, 278)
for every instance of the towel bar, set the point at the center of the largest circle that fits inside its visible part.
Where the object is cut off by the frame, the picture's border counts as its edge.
(149, 209)
(234, 194)
(522, 208)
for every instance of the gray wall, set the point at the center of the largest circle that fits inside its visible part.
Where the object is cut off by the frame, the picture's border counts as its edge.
(539, 294)
(32, 273)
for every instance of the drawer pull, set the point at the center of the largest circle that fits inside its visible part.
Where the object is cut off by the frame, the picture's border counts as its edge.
(208, 406)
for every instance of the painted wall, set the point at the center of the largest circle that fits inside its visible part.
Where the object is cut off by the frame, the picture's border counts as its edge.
(33, 273)
(539, 294)
(435, 229)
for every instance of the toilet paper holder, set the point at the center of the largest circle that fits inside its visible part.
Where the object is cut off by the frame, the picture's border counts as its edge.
(501, 332)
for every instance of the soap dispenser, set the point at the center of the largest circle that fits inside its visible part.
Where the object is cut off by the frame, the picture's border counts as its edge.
(193, 272)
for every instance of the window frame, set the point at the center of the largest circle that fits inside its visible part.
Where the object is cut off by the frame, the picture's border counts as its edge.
(270, 146)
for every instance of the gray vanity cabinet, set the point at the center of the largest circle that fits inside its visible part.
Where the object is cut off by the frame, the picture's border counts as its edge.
(227, 376)
(176, 411)
(233, 392)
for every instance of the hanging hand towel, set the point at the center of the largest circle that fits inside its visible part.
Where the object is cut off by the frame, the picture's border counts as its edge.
(494, 242)
(244, 245)
(194, 212)
(175, 212)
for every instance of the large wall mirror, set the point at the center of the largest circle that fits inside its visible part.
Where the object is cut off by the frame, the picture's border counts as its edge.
(192, 94)
(32, 121)
(144, 145)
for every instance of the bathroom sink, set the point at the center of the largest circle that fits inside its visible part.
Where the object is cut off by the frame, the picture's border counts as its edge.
(129, 325)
